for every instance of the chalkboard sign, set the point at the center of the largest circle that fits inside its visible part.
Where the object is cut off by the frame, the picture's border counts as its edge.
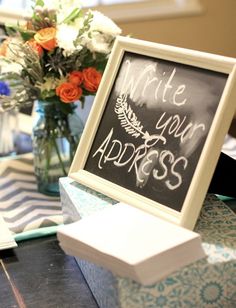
(155, 131)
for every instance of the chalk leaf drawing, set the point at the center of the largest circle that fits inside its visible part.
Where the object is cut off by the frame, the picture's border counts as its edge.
(128, 118)
(130, 122)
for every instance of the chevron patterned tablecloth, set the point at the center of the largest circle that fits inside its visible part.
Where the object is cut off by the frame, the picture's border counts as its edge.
(24, 209)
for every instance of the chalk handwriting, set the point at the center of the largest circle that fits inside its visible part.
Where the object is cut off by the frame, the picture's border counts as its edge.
(146, 157)
(174, 125)
(162, 88)
(141, 160)
(156, 163)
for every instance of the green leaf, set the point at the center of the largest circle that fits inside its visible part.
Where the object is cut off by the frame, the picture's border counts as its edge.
(39, 3)
(35, 17)
(27, 35)
(11, 30)
(73, 15)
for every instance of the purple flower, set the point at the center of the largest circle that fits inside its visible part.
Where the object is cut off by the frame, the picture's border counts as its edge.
(4, 88)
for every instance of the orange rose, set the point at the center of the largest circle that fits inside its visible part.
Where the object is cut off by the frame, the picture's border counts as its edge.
(92, 79)
(76, 78)
(46, 38)
(35, 46)
(3, 48)
(68, 92)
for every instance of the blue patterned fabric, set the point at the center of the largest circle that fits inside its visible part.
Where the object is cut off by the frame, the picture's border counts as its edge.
(207, 283)
(23, 208)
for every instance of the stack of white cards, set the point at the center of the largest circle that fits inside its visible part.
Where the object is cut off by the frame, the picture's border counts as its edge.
(131, 243)
(6, 238)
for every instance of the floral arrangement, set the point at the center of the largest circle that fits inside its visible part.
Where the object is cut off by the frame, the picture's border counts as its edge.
(57, 57)
(58, 53)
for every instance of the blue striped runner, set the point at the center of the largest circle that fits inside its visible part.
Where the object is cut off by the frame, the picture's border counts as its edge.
(21, 205)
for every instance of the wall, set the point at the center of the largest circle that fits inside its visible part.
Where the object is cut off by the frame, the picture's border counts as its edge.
(212, 31)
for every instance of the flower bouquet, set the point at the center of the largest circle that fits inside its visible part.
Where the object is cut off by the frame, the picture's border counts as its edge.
(55, 58)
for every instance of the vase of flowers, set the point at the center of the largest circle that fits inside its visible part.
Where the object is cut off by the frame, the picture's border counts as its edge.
(55, 138)
(55, 58)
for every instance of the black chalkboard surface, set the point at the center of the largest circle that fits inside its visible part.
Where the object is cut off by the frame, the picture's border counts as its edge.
(150, 138)
(154, 129)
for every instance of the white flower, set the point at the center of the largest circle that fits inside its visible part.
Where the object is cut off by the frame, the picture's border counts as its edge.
(50, 5)
(66, 9)
(66, 35)
(60, 4)
(69, 4)
(101, 33)
(103, 24)
(97, 42)
(10, 67)
(63, 8)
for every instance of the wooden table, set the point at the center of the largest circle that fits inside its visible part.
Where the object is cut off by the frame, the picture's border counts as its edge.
(38, 274)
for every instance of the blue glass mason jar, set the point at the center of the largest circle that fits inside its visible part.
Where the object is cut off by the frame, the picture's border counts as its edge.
(56, 133)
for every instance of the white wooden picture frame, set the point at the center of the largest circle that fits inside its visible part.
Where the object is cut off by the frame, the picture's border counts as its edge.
(156, 128)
